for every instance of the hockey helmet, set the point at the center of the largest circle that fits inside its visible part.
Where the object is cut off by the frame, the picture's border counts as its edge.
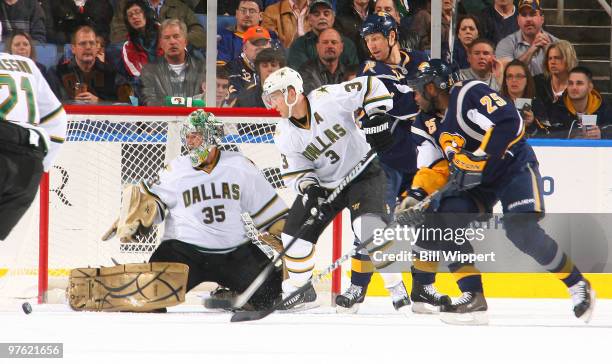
(204, 124)
(281, 80)
(379, 22)
(434, 71)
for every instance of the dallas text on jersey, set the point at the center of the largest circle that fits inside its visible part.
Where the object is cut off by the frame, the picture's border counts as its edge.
(202, 193)
(317, 147)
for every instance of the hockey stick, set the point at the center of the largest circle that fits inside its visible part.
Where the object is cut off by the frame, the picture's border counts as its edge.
(241, 299)
(253, 234)
(258, 315)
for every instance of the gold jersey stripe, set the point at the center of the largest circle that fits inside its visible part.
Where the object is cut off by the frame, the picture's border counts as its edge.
(51, 115)
(265, 207)
(301, 270)
(303, 259)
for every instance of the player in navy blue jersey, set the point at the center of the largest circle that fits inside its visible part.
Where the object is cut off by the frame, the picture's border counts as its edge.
(468, 135)
(393, 66)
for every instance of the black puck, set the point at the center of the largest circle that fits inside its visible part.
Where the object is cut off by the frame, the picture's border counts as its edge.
(27, 308)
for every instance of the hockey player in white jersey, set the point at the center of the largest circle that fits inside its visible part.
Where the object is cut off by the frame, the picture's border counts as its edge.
(320, 144)
(200, 197)
(32, 128)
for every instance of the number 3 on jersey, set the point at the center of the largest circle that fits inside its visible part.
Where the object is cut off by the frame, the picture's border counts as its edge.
(13, 97)
(492, 101)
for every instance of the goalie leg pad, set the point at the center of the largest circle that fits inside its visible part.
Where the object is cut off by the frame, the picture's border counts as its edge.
(128, 287)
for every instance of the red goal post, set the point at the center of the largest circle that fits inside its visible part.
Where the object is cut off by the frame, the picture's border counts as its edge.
(110, 146)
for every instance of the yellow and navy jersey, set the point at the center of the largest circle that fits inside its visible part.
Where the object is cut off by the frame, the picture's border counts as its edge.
(402, 155)
(477, 118)
(395, 76)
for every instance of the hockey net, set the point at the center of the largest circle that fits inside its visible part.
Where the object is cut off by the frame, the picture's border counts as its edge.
(107, 148)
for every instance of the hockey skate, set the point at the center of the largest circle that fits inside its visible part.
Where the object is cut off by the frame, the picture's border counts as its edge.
(426, 299)
(401, 301)
(301, 302)
(468, 309)
(348, 302)
(583, 298)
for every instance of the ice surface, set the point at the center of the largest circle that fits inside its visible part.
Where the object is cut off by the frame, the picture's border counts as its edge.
(520, 331)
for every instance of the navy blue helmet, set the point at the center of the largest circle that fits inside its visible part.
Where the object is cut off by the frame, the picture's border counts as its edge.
(380, 22)
(435, 71)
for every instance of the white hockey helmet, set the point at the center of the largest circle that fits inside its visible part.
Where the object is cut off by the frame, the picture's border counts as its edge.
(210, 130)
(281, 80)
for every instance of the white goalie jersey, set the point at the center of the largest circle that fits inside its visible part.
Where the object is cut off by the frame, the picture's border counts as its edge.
(330, 143)
(204, 207)
(28, 101)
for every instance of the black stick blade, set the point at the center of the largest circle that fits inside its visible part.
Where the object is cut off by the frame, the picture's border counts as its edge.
(243, 316)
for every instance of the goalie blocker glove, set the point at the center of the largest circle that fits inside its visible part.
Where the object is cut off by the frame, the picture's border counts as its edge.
(377, 129)
(466, 169)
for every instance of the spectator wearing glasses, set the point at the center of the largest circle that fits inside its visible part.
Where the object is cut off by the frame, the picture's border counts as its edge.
(248, 13)
(142, 46)
(580, 102)
(320, 17)
(242, 70)
(519, 84)
(84, 78)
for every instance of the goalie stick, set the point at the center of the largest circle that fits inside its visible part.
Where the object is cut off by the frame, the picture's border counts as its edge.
(241, 299)
(253, 234)
(258, 315)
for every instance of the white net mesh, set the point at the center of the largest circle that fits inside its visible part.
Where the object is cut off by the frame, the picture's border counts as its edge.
(101, 155)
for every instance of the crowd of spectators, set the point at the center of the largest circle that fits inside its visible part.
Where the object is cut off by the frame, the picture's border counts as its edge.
(145, 51)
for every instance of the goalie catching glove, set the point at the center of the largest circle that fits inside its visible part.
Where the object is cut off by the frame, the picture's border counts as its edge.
(466, 169)
(377, 129)
(136, 217)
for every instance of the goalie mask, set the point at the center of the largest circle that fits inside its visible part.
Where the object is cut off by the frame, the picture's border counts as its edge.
(199, 133)
(281, 80)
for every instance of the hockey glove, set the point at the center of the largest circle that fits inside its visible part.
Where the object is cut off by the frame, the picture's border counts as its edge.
(406, 213)
(466, 169)
(313, 198)
(415, 196)
(377, 129)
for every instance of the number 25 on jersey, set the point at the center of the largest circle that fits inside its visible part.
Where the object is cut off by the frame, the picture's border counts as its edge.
(492, 101)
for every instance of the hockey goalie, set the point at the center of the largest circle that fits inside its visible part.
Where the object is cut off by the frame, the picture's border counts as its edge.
(200, 199)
